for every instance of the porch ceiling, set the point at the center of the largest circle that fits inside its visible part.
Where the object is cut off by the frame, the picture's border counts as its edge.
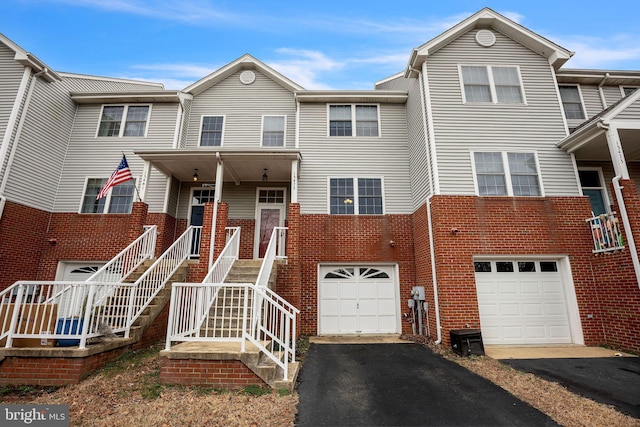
(239, 166)
(594, 146)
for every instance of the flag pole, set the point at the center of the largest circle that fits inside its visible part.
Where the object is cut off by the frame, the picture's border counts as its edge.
(136, 184)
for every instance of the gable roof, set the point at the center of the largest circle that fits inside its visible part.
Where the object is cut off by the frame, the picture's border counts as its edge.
(488, 18)
(245, 62)
(29, 60)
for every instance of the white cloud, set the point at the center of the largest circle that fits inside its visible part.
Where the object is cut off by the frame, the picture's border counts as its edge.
(305, 66)
(592, 52)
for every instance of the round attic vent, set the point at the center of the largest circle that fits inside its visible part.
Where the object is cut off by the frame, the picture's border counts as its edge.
(485, 38)
(247, 77)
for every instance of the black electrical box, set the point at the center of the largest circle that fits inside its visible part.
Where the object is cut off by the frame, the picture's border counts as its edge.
(466, 342)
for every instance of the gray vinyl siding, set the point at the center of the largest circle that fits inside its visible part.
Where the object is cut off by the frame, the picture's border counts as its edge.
(11, 73)
(243, 107)
(592, 103)
(42, 145)
(91, 156)
(322, 157)
(632, 112)
(80, 83)
(612, 94)
(460, 128)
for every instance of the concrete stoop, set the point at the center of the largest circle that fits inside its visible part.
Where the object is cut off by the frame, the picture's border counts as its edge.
(253, 358)
(99, 351)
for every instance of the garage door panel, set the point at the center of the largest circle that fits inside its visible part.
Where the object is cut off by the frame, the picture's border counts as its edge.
(522, 307)
(364, 301)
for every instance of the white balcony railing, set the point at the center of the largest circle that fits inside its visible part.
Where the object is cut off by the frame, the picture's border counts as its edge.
(606, 233)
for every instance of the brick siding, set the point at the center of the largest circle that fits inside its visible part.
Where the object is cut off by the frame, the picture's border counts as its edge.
(231, 374)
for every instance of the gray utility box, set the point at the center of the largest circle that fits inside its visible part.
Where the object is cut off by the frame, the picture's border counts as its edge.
(466, 342)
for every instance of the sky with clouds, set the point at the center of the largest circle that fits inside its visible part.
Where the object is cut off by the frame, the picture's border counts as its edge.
(348, 44)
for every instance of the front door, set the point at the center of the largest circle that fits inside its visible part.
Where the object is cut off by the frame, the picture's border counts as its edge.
(269, 214)
(199, 197)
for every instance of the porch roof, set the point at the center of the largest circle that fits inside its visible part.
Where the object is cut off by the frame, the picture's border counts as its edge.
(589, 142)
(239, 165)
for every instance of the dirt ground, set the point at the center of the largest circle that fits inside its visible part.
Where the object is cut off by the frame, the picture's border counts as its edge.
(127, 393)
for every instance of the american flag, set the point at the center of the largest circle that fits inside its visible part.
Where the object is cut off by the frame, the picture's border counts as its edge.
(120, 175)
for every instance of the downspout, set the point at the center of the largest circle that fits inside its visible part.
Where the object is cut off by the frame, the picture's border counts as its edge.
(601, 92)
(430, 147)
(627, 226)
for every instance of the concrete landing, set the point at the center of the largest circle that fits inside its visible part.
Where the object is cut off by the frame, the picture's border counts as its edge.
(551, 352)
(359, 339)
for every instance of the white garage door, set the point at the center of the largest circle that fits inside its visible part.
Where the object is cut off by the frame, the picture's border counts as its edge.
(78, 271)
(522, 302)
(358, 300)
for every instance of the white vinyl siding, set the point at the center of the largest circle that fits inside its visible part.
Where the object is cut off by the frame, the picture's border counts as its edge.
(536, 126)
(243, 107)
(87, 156)
(386, 156)
(491, 83)
(11, 73)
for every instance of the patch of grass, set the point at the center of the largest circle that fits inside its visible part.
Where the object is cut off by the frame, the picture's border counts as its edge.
(302, 345)
(152, 391)
(255, 390)
(283, 392)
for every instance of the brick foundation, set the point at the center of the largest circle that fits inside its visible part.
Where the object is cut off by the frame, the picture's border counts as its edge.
(230, 374)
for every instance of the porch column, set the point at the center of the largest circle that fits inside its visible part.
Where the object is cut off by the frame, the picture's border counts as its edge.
(294, 181)
(144, 181)
(217, 197)
(137, 220)
(616, 151)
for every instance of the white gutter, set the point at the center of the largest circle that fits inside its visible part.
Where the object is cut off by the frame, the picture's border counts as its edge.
(429, 146)
(627, 226)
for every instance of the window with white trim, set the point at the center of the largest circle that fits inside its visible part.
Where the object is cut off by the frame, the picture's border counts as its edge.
(491, 84)
(343, 119)
(211, 131)
(571, 102)
(628, 90)
(119, 199)
(273, 131)
(124, 120)
(355, 196)
(506, 174)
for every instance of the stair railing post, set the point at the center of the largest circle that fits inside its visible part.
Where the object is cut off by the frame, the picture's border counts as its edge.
(173, 309)
(87, 315)
(14, 316)
(132, 295)
(244, 318)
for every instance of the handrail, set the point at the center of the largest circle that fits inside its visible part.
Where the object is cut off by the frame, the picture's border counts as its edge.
(155, 278)
(275, 250)
(217, 274)
(129, 259)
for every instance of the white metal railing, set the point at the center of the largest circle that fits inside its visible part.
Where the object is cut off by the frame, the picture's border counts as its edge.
(64, 311)
(606, 233)
(157, 276)
(196, 239)
(201, 299)
(275, 250)
(217, 311)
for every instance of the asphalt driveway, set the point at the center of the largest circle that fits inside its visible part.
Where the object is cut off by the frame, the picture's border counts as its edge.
(401, 385)
(610, 380)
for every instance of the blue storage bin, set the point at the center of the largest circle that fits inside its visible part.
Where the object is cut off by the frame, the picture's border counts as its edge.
(68, 327)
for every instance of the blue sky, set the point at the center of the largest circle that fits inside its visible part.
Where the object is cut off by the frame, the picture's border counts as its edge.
(326, 44)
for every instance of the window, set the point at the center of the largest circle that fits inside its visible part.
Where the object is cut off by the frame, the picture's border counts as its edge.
(506, 174)
(591, 183)
(363, 198)
(273, 128)
(571, 102)
(343, 117)
(118, 200)
(493, 84)
(626, 90)
(124, 120)
(211, 131)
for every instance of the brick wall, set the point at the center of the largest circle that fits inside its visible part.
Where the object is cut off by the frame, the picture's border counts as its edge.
(488, 226)
(352, 238)
(232, 374)
(247, 228)
(22, 232)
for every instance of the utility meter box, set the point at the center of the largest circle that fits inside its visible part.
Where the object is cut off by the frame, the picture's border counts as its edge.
(417, 292)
